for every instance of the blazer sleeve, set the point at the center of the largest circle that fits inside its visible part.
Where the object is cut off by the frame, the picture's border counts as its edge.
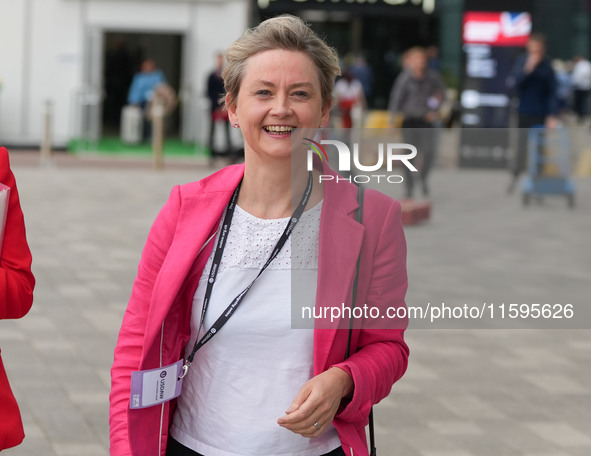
(129, 348)
(380, 355)
(16, 279)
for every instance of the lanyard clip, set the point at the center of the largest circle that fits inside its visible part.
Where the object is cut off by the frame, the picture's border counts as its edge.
(185, 369)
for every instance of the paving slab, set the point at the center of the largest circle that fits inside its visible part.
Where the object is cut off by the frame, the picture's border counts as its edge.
(510, 389)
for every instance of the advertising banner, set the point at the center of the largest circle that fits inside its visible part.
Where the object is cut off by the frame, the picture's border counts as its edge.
(491, 43)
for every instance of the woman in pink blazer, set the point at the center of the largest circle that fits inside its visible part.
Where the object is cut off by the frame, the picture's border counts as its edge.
(279, 81)
(16, 296)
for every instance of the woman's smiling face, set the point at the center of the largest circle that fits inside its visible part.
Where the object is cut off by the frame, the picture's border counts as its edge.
(280, 91)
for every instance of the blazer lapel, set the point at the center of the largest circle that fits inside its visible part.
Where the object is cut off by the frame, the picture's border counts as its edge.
(199, 217)
(341, 237)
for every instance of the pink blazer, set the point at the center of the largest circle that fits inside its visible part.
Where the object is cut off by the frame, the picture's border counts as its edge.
(16, 296)
(156, 324)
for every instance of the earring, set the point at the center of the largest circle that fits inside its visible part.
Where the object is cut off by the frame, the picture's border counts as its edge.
(235, 125)
(321, 127)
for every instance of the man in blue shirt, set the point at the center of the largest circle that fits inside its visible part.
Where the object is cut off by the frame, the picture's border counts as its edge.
(142, 89)
(535, 82)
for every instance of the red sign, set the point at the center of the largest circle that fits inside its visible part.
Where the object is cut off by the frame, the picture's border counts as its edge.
(497, 29)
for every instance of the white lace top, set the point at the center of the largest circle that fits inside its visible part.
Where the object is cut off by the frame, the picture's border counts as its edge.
(246, 376)
(251, 241)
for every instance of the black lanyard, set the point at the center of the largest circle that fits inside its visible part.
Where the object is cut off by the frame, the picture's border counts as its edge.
(217, 258)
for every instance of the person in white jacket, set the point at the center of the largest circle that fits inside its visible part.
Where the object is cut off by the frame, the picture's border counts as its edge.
(581, 82)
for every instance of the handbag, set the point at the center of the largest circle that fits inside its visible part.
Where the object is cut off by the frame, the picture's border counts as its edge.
(359, 217)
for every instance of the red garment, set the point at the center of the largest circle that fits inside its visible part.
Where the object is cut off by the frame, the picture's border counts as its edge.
(16, 297)
(219, 115)
(345, 107)
(156, 325)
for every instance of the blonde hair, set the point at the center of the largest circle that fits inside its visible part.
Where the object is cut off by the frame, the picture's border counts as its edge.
(283, 32)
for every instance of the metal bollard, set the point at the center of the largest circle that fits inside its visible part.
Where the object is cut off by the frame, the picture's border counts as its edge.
(45, 153)
(158, 135)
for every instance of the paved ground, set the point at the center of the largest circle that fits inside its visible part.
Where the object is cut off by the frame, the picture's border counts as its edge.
(467, 391)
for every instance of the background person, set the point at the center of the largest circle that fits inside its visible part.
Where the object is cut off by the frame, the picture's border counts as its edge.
(581, 83)
(363, 73)
(417, 95)
(16, 296)
(433, 60)
(348, 94)
(215, 91)
(563, 87)
(142, 90)
(535, 83)
(259, 387)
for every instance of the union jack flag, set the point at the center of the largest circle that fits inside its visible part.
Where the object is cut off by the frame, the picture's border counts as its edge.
(515, 24)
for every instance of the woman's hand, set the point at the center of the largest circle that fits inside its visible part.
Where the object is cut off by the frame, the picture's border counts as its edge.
(317, 403)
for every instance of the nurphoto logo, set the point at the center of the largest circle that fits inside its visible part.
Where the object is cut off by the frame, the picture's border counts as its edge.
(387, 155)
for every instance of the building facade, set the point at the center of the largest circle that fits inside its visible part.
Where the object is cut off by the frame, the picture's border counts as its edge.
(381, 30)
(78, 55)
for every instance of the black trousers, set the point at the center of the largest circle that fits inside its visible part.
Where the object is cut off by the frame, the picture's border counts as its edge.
(420, 134)
(174, 448)
(580, 102)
